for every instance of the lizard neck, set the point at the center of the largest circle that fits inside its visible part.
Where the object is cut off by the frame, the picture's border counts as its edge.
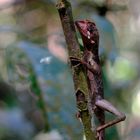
(93, 49)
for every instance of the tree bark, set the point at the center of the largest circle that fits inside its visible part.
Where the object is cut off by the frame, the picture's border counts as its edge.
(78, 72)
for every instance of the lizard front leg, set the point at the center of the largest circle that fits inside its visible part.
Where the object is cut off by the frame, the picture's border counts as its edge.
(107, 106)
(77, 61)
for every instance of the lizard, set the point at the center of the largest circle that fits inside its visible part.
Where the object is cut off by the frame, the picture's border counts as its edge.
(91, 61)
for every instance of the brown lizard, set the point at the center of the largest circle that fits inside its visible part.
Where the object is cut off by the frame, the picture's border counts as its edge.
(90, 37)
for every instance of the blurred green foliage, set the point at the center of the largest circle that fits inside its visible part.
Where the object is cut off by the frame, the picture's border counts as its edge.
(27, 84)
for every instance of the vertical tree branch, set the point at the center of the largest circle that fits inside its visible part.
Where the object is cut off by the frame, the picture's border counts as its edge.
(79, 77)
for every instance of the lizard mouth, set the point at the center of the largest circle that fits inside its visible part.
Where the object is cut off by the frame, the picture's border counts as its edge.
(82, 27)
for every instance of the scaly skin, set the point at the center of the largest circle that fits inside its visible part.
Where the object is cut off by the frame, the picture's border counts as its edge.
(90, 37)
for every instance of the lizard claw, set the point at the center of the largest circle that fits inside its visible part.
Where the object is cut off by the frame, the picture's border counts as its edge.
(75, 62)
(98, 135)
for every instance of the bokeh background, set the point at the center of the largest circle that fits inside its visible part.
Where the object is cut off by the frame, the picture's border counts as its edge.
(37, 99)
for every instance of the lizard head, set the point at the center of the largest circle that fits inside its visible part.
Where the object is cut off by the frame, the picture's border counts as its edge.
(88, 31)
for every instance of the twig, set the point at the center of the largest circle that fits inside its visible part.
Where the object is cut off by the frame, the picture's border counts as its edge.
(79, 77)
(35, 88)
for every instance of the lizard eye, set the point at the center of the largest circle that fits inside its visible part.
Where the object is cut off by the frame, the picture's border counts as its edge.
(90, 28)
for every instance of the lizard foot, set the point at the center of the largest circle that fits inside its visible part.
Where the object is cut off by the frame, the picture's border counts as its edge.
(75, 62)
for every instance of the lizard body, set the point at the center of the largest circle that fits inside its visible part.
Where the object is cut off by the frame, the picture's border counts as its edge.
(90, 37)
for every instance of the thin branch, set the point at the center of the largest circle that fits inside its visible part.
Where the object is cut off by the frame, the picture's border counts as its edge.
(79, 77)
(35, 88)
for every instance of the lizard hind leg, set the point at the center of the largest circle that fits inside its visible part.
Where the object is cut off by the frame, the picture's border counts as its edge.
(107, 106)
